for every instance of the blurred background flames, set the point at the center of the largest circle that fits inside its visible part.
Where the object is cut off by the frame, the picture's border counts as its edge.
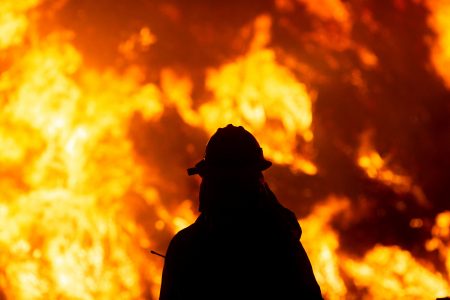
(104, 104)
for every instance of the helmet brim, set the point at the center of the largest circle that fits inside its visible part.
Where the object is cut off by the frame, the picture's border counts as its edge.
(202, 166)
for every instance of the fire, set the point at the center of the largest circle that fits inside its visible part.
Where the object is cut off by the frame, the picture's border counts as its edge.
(13, 21)
(322, 252)
(393, 273)
(378, 168)
(328, 9)
(441, 49)
(68, 171)
(68, 158)
(383, 272)
(282, 120)
(141, 40)
(440, 240)
(80, 207)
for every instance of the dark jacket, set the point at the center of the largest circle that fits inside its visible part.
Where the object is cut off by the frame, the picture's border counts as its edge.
(253, 254)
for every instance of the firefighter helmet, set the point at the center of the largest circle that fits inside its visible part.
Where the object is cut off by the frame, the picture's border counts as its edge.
(231, 147)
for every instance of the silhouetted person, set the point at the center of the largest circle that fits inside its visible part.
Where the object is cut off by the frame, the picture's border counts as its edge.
(244, 244)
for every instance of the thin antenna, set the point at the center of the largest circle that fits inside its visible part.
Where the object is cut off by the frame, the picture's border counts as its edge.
(158, 254)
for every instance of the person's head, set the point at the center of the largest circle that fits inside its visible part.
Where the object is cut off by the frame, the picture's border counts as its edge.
(231, 168)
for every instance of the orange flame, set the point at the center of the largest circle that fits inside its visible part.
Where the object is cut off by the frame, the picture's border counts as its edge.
(383, 273)
(440, 22)
(59, 242)
(13, 21)
(441, 238)
(282, 119)
(72, 187)
(322, 252)
(393, 273)
(377, 168)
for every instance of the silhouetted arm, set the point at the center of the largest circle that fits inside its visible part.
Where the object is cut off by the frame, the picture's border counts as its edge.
(310, 285)
(170, 285)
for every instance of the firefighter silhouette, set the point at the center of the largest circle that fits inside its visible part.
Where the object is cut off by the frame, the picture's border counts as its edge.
(244, 244)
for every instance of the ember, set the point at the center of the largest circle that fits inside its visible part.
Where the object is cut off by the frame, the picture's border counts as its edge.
(105, 103)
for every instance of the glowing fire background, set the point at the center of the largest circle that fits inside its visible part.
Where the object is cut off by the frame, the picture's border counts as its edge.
(104, 104)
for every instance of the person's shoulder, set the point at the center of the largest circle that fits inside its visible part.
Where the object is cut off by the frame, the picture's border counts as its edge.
(187, 235)
(290, 220)
(186, 242)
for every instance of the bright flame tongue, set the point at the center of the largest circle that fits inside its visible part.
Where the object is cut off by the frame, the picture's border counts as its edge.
(439, 21)
(257, 92)
(383, 273)
(69, 172)
(13, 21)
(67, 164)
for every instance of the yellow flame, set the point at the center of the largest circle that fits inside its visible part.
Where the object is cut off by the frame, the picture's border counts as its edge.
(378, 168)
(375, 167)
(328, 9)
(321, 243)
(440, 240)
(70, 176)
(138, 41)
(13, 21)
(393, 273)
(440, 22)
(383, 273)
(258, 93)
(67, 230)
